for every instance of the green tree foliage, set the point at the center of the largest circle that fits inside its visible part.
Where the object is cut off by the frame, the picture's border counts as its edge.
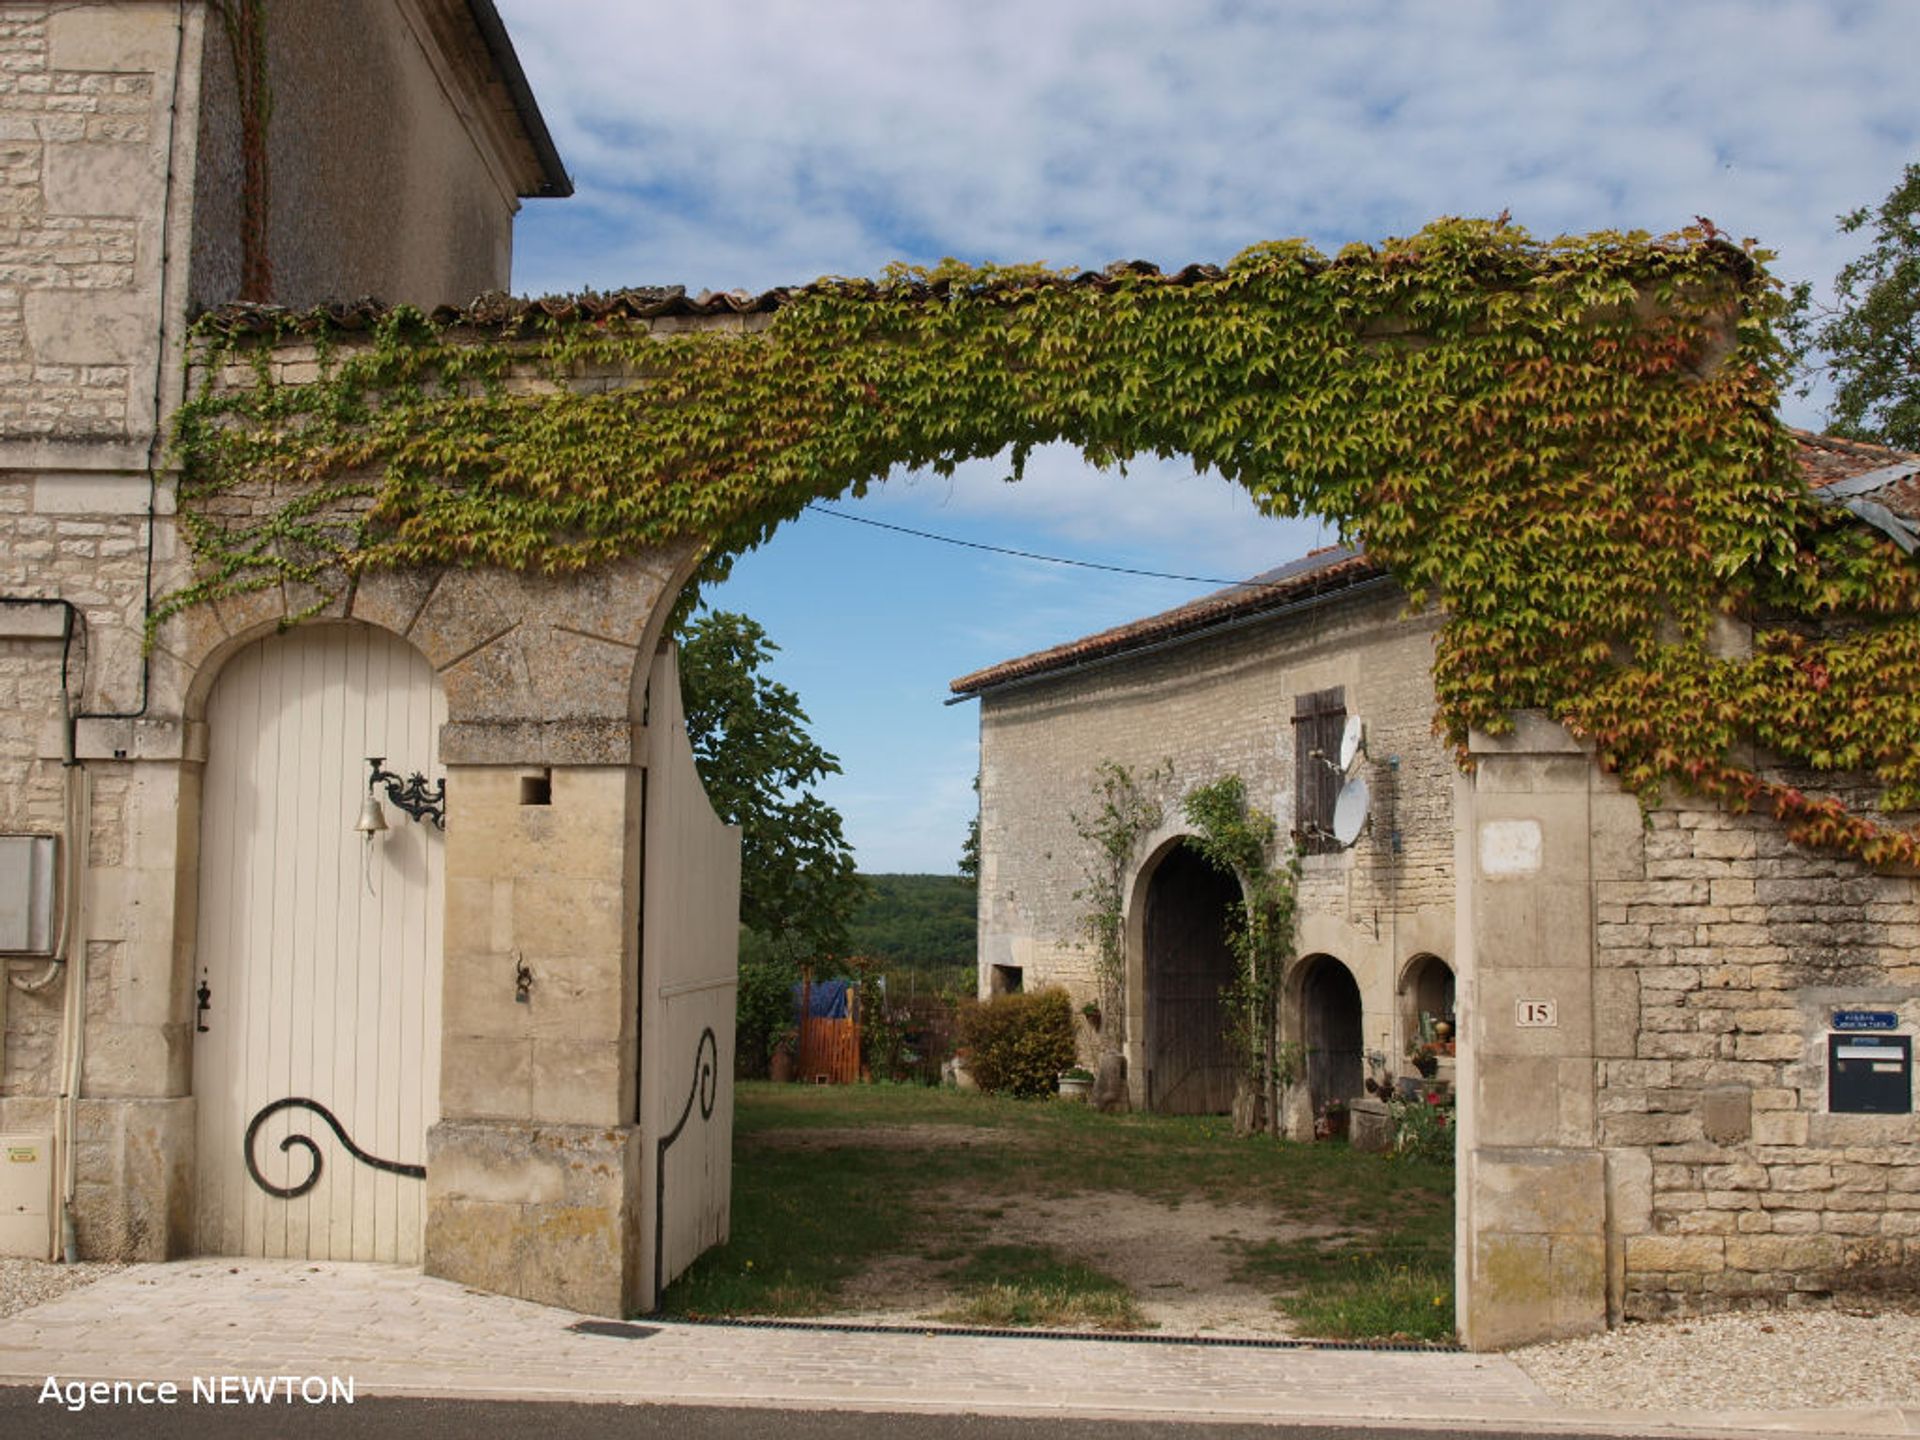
(969, 864)
(924, 922)
(1871, 338)
(1018, 1044)
(798, 887)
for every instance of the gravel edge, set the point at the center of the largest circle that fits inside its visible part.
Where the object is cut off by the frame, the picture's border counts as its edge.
(1750, 1360)
(27, 1283)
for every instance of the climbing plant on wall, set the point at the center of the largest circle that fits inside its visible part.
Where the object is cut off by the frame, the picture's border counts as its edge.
(1237, 838)
(1570, 446)
(1126, 807)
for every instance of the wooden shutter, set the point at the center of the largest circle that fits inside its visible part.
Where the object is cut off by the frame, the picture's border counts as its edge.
(1319, 717)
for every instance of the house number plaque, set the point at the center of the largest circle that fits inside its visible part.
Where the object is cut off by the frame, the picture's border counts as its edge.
(1536, 1014)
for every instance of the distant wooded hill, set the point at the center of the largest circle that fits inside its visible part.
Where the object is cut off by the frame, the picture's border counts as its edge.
(922, 921)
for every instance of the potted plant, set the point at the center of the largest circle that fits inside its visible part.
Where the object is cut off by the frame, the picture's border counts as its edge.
(1076, 1083)
(1332, 1121)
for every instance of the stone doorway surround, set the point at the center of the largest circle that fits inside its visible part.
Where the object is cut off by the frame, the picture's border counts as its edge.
(535, 1166)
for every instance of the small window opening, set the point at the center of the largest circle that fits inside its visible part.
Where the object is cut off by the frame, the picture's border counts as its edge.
(1006, 980)
(537, 789)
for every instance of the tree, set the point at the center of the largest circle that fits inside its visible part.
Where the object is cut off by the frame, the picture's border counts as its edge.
(798, 887)
(969, 864)
(1871, 337)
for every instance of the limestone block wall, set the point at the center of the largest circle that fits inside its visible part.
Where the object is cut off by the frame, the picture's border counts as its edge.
(90, 134)
(1211, 707)
(1722, 961)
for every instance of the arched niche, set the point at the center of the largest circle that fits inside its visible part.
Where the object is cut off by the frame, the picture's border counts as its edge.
(1328, 1025)
(1426, 987)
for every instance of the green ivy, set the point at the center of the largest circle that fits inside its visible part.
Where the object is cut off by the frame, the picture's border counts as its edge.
(1570, 446)
(1124, 813)
(1236, 839)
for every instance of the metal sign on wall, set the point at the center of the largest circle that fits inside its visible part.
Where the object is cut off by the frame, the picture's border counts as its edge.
(1865, 1020)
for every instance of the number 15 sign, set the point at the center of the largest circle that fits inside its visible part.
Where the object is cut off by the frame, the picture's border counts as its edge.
(1536, 1014)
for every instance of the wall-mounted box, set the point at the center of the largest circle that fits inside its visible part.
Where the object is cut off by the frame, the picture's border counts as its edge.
(26, 1195)
(26, 894)
(1869, 1074)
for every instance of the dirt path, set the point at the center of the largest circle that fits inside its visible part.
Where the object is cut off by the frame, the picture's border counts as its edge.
(1177, 1260)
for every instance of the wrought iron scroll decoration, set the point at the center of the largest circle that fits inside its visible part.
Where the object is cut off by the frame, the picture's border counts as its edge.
(706, 1086)
(411, 794)
(294, 1192)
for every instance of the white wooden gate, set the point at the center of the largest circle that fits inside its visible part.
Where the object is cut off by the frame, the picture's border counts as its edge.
(319, 952)
(690, 971)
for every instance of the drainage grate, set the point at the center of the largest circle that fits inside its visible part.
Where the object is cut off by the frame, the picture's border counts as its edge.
(1228, 1342)
(614, 1329)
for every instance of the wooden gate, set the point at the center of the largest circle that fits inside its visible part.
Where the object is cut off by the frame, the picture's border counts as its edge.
(316, 1058)
(1189, 1067)
(690, 929)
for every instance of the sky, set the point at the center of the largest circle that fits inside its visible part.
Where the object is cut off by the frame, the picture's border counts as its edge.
(743, 144)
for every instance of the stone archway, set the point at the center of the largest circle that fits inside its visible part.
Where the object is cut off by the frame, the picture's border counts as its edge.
(1329, 1013)
(564, 809)
(1185, 964)
(1231, 368)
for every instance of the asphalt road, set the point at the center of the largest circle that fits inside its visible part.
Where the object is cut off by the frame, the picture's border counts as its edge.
(24, 1414)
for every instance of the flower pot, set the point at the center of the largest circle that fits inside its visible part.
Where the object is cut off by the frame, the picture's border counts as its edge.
(1076, 1087)
(780, 1067)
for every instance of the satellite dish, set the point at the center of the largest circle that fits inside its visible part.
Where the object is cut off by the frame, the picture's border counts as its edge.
(1353, 740)
(1350, 811)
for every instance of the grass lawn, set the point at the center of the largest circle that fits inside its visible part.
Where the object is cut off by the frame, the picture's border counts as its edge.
(830, 1180)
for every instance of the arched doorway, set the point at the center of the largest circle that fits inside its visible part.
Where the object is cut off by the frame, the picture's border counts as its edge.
(1331, 1030)
(318, 962)
(1187, 962)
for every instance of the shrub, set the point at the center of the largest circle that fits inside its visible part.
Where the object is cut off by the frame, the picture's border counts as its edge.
(762, 1012)
(1018, 1044)
(1423, 1129)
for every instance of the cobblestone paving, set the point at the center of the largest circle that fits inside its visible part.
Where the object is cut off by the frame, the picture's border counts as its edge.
(395, 1331)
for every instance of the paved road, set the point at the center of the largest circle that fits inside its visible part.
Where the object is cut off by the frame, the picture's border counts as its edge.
(24, 1415)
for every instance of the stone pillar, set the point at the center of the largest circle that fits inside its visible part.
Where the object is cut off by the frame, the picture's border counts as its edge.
(533, 1171)
(1538, 825)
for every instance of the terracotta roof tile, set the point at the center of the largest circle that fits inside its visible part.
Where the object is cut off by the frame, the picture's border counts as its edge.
(1319, 573)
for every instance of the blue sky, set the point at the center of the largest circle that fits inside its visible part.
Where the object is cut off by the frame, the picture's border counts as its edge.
(740, 144)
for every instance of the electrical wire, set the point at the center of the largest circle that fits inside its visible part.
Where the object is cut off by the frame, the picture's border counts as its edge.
(1049, 559)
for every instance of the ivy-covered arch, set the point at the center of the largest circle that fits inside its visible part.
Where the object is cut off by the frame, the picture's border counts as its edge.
(1570, 446)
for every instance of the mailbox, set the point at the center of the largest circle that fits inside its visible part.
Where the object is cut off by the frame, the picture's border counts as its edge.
(1870, 1074)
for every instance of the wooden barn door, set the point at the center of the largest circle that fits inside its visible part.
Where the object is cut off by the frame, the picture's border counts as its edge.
(319, 952)
(1189, 1065)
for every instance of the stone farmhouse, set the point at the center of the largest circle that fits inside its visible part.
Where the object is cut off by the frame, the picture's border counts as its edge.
(1660, 1108)
(328, 942)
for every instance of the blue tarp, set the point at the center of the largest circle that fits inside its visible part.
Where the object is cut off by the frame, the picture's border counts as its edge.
(830, 999)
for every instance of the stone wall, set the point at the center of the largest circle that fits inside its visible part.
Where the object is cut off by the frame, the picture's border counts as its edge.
(1214, 706)
(379, 186)
(86, 148)
(1726, 957)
